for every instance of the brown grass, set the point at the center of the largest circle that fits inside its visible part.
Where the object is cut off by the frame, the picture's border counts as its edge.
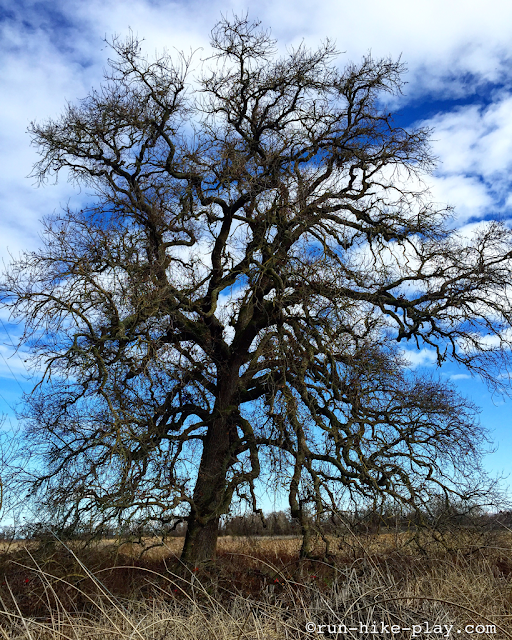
(257, 589)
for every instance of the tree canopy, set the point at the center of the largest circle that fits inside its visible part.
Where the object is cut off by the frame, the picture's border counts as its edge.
(230, 307)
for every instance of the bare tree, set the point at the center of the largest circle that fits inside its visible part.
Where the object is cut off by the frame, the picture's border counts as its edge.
(228, 309)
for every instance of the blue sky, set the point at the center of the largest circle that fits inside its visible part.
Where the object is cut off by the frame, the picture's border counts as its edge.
(459, 81)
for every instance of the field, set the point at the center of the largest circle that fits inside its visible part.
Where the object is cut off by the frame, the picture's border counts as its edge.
(372, 586)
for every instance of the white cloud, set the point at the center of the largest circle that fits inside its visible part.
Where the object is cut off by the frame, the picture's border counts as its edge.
(463, 42)
(474, 148)
(469, 195)
(420, 358)
(475, 140)
(12, 365)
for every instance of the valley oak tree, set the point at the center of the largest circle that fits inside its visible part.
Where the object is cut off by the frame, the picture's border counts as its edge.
(230, 309)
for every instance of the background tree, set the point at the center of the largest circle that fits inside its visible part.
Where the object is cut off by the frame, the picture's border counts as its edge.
(228, 306)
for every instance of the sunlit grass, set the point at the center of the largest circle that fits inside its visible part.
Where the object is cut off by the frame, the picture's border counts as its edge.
(257, 589)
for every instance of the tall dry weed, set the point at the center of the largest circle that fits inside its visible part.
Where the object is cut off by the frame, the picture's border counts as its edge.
(259, 589)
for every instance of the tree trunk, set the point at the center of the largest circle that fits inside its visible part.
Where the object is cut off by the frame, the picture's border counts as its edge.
(306, 549)
(210, 499)
(200, 541)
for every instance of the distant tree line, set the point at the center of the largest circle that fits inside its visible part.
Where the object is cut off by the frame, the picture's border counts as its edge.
(440, 517)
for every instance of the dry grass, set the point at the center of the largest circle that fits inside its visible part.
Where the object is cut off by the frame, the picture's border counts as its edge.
(257, 589)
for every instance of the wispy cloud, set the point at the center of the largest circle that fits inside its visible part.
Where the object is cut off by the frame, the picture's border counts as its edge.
(420, 358)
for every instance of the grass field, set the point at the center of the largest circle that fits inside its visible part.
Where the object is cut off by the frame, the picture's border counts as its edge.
(379, 586)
